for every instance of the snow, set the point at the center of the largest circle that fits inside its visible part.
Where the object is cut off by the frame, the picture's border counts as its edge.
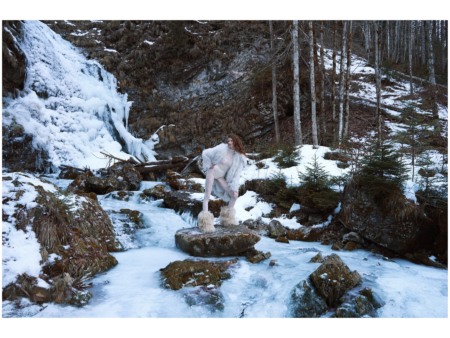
(257, 290)
(76, 120)
(20, 249)
(71, 104)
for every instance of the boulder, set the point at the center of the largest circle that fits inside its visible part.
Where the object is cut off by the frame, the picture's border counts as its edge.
(158, 192)
(276, 229)
(127, 174)
(255, 256)
(198, 281)
(189, 272)
(230, 241)
(18, 152)
(306, 302)
(121, 176)
(361, 304)
(386, 218)
(182, 201)
(333, 279)
(75, 235)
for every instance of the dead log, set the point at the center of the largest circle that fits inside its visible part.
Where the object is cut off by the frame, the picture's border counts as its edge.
(68, 167)
(193, 166)
(176, 164)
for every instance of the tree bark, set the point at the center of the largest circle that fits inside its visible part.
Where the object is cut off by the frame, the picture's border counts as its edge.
(333, 75)
(342, 83)
(397, 41)
(431, 74)
(430, 53)
(312, 81)
(297, 121)
(423, 43)
(410, 49)
(366, 30)
(388, 41)
(378, 81)
(347, 80)
(274, 85)
(322, 85)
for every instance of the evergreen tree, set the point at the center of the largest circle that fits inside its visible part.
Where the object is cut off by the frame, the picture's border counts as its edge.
(384, 164)
(426, 173)
(287, 156)
(432, 182)
(411, 137)
(315, 176)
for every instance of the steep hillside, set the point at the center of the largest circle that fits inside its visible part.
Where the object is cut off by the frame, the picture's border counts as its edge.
(203, 80)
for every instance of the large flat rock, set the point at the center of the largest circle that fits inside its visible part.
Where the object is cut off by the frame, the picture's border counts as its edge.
(230, 241)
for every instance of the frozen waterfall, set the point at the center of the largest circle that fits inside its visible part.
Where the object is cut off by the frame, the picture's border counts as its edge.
(70, 104)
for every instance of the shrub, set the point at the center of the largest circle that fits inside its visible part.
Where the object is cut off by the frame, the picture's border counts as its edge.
(383, 164)
(287, 156)
(275, 183)
(315, 177)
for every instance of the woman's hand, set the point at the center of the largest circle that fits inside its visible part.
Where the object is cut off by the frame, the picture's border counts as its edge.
(235, 194)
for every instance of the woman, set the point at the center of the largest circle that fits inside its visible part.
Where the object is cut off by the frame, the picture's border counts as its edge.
(222, 165)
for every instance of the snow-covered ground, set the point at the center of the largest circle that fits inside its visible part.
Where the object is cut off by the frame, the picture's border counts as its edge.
(76, 122)
(133, 287)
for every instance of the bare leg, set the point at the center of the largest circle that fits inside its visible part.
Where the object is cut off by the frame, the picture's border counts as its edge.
(227, 189)
(208, 187)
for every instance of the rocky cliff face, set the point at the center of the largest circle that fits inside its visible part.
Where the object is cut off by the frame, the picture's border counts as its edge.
(202, 80)
(13, 60)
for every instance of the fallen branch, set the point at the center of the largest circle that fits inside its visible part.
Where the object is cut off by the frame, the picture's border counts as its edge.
(63, 166)
(161, 167)
(113, 157)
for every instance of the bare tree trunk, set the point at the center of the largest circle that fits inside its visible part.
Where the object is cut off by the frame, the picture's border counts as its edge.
(333, 75)
(430, 53)
(297, 121)
(342, 83)
(396, 39)
(312, 82)
(366, 30)
(410, 49)
(378, 80)
(347, 80)
(274, 85)
(322, 85)
(423, 43)
(405, 42)
(388, 41)
(442, 44)
(431, 74)
(445, 49)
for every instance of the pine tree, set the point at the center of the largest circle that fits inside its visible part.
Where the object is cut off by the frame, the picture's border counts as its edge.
(410, 137)
(426, 173)
(432, 182)
(287, 156)
(383, 163)
(315, 176)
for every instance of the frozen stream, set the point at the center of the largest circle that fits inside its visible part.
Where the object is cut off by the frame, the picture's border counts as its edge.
(133, 288)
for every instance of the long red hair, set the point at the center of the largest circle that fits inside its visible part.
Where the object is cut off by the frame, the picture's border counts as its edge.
(237, 143)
